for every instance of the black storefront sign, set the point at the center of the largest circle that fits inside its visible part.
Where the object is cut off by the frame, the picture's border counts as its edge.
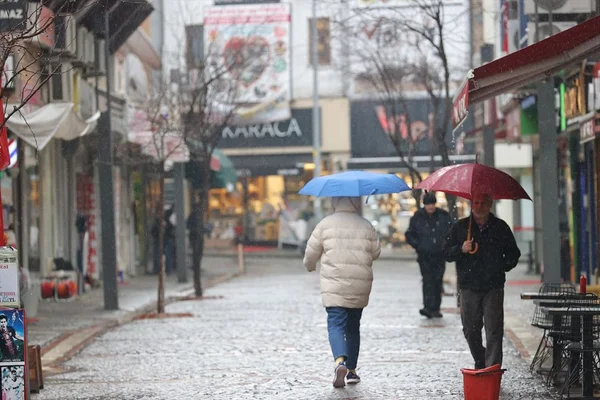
(296, 131)
(237, 2)
(13, 14)
(371, 120)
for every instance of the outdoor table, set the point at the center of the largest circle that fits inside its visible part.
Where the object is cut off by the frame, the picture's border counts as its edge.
(566, 303)
(587, 341)
(553, 296)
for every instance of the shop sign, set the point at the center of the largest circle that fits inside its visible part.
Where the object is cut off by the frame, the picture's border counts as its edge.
(513, 123)
(13, 14)
(236, 2)
(586, 131)
(460, 105)
(296, 131)
(9, 277)
(575, 99)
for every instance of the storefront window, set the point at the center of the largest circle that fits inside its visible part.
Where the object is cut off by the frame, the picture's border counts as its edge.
(271, 201)
(390, 213)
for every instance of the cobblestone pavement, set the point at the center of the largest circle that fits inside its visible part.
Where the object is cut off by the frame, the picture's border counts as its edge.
(56, 319)
(266, 338)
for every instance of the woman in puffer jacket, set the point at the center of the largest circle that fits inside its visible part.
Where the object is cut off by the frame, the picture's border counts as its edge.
(347, 244)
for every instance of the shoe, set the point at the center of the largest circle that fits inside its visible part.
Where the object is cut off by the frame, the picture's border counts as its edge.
(436, 314)
(352, 378)
(479, 365)
(426, 313)
(339, 377)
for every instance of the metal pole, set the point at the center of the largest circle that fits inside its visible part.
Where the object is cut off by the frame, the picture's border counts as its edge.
(107, 208)
(548, 164)
(180, 247)
(316, 118)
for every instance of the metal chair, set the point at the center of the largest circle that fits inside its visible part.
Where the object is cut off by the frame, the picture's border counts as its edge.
(542, 321)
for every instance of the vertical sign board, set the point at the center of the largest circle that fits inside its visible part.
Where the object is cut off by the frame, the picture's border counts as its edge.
(13, 345)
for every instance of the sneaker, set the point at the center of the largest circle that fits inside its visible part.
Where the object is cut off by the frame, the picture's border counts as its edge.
(425, 312)
(339, 377)
(436, 314)
(352, 378)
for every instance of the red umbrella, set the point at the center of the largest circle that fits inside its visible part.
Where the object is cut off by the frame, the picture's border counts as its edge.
(464, 180)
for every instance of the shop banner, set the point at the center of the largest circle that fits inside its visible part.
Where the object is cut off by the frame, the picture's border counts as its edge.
(254, 43)
(9, 277)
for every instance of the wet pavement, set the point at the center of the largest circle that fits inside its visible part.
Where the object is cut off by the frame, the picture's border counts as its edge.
(58, 319)
(266, 338)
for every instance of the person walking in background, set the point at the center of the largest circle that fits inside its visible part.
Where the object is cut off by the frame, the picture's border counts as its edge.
(481, 265)
(426, 233)
(347, 244)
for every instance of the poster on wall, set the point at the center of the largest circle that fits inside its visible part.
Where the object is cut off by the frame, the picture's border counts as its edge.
(12, 336)
(253, 42)
(12, 353)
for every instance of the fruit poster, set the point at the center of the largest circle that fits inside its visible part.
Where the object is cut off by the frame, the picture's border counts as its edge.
(252, 43)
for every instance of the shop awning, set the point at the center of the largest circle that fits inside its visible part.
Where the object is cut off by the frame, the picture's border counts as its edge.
(175, 149)
(271, 164)
(51, 121)
(421, 163)
(526, 66)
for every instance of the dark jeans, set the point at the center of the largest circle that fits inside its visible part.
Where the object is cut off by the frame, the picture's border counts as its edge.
(343, 325)
(479, 309)
(432, 270)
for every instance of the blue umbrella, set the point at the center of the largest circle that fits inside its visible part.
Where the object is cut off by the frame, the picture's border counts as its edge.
(354, 184)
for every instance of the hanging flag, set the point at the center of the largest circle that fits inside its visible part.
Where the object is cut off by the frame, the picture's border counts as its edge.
(4, 154)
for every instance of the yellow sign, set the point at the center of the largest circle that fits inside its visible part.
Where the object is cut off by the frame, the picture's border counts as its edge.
(575, 99)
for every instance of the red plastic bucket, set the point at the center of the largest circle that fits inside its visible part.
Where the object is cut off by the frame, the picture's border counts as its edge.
(482, 384)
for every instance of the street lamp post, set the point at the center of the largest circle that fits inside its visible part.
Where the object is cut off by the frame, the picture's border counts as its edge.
(316, 118)
(105, 175)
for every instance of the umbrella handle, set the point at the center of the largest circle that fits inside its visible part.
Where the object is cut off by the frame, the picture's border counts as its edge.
(476, 248)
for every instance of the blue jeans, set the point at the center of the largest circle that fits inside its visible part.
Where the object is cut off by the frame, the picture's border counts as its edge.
(343, 325)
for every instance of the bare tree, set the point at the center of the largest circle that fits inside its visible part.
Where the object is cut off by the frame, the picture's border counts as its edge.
(409, 54)
(206, 106)
(159, 147)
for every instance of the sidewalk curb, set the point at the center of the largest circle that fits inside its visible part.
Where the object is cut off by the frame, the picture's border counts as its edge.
(82, 337)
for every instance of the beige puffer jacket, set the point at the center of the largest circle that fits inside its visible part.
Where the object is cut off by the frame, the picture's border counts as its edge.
(347, 244)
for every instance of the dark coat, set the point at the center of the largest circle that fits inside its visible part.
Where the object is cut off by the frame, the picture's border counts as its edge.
(498, 253)
(426, 233)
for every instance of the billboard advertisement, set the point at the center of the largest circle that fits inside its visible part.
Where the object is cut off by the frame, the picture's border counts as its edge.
(252, 44)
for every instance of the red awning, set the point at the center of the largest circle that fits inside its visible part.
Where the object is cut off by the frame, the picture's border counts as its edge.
(528, 65)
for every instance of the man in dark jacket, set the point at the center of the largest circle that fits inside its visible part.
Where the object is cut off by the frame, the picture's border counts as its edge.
(481, 266)
(426, 233)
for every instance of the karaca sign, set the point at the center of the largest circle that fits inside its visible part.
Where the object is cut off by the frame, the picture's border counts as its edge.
(273, 129)
(460, 105)
(295, 131)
